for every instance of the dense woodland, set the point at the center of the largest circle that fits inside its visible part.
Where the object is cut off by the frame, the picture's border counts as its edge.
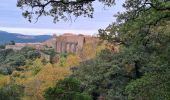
(27, 73)
(140, 70)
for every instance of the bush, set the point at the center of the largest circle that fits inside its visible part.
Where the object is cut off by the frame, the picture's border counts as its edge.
(11, 92)
(50, 52)
(10, 60)
(67, 89)
(2, 46)
(37, 66)
(33, 55)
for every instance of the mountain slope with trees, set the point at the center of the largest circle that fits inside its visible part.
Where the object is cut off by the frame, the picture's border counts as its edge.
(140, 70)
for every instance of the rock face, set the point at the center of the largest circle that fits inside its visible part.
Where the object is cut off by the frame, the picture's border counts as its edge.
(72, 43)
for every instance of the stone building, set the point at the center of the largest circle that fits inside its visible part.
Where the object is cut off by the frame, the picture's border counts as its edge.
(68, 42)
(72, 43)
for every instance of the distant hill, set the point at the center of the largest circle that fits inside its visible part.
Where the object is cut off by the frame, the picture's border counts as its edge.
(6, 37)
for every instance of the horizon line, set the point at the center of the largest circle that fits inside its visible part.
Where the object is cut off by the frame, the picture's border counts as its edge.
(46, 31)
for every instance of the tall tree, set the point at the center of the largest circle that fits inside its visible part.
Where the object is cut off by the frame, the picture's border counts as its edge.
(143, 31)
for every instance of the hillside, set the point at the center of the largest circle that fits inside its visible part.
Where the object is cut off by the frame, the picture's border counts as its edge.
(6, 37)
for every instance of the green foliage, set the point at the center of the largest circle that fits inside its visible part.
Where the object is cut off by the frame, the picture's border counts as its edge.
(11, 92)
(17, 60)
(152, 86)
(12, 42)
(33, 55)
(62, 59)
(104, 76)
(2, 46)
(139, 71)
(51, 53)
(10, 60)
(37, 66)
(67, 89)
(64, 55)
(144, 35)
(59, 9)
(4, 53)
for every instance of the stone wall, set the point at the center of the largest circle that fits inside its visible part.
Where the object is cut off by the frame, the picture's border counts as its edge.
(72, 43)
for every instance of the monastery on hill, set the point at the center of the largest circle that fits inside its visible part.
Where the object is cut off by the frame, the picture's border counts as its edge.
(64, 43)
(72, 43)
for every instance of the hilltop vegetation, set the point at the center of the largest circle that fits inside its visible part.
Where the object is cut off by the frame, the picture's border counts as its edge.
(11, 60)
(138, 70)
(31, 73)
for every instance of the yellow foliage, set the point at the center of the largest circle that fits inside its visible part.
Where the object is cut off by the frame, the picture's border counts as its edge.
(113, 47)
(90, 50)
(4, 80)
(47, 77)
(70, 61)
(37, 77)
(51, 73)
(129, 67)
(24, 78)
(37, 66)
(101, 47)
(16, 74)
(73, 60)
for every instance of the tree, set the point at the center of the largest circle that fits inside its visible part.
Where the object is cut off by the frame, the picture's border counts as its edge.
(67, 89)
(140, 70)
(2, 46)
(51, 53)
(12, 42)
(143, 33)
(37, 66)
(59, 9)
(105, 76)
(10, 60)
(33, 55)
(11, 92)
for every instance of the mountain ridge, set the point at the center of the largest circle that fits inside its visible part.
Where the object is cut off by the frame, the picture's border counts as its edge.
(6, 37)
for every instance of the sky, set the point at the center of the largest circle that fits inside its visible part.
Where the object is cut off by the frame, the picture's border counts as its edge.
(11, 20)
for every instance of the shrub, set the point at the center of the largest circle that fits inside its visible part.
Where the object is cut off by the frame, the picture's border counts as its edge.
(11, 92)
(67, 89)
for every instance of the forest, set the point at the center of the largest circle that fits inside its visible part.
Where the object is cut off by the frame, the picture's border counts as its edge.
(139, 70)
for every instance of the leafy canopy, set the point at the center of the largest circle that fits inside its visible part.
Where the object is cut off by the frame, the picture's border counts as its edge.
(67, 89)
(143, 33)
(140, 70)
(59, 9)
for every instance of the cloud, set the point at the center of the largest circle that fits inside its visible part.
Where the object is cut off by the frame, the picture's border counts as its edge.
(40, 31)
